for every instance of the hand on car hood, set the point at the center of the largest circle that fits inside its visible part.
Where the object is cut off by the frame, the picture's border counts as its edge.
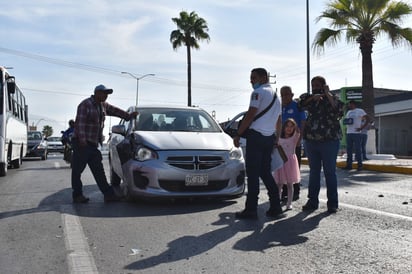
(185, 140)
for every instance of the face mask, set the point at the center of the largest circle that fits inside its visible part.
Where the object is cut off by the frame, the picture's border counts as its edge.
(255, 86)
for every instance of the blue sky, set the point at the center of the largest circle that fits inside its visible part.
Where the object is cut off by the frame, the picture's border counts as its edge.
(60, 50)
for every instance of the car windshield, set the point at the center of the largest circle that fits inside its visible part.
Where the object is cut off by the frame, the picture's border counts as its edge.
(35, 135)
(175, 119)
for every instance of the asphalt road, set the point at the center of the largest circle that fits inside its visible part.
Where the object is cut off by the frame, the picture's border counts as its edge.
(42, 232)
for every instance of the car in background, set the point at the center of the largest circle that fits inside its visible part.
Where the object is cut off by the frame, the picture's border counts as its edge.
(175, 152)
(36, 145)
(54, 144)
(231, 126)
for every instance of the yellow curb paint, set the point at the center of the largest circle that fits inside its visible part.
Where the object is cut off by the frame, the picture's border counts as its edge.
(373, 167)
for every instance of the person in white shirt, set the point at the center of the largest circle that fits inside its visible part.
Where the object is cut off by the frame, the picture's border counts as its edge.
(354, 127)
(262, 133)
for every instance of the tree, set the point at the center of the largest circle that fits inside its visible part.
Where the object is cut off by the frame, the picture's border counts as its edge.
(190, 29)
(363, 21)
(47, 131)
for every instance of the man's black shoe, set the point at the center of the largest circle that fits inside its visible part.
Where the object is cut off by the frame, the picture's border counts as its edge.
(309, 207)
(275, 213)
(246, 214)
(80, 199)
(347, 168)
(332, 210)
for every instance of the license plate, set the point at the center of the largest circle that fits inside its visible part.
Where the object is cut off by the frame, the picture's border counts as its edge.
(196, 180)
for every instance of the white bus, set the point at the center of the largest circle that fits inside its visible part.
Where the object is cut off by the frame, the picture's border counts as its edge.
(13, 123)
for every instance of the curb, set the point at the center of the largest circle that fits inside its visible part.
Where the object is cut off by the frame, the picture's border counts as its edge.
(373, 167)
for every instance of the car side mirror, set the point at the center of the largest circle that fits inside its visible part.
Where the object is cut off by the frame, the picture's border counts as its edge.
(119, 129)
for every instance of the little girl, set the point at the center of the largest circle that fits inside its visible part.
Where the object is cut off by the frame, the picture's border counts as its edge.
(289, 173)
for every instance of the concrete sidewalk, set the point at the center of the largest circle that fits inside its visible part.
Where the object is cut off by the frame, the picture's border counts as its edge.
(378, 162)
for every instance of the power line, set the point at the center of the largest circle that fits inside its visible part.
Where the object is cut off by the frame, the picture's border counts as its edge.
(117, 73)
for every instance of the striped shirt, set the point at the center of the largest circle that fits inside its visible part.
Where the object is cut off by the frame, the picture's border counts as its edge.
(90, 118)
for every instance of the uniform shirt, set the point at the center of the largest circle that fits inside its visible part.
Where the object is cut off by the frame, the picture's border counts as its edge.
(260, 99)
(356, 115)
(90, 118)
(291, 110)
(322, 123)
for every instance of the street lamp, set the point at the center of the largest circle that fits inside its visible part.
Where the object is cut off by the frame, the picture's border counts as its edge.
(137, 81)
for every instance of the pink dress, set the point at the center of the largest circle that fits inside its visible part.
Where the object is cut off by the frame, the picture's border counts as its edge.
(289, 173)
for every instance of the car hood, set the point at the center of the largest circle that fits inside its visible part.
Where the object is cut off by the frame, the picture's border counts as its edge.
(185, 140)
(34, 142)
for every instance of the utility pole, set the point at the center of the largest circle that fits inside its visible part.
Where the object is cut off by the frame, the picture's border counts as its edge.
(270, 76)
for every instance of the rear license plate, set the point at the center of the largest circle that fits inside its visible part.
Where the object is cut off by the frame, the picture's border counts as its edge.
(196, 180)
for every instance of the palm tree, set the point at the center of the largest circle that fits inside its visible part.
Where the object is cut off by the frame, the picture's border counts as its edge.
(190, 29)
(47, 131)
(363, 21)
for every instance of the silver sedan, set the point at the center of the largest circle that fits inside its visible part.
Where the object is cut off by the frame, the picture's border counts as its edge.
(175, 152)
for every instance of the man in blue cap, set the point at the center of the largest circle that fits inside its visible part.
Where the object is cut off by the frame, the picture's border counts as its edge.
(88, 134)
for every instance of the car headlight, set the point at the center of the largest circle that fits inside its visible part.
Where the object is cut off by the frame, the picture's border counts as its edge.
(236, 153)
(144, 154)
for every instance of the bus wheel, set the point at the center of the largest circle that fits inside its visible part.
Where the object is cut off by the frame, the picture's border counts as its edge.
(3, 169)
(17, 163)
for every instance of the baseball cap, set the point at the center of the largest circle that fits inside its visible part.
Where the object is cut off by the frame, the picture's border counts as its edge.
(104, 89)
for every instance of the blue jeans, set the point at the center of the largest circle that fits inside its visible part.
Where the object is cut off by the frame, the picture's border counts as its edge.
(322, 154)
(258, 165)
(91, 156)
(364, 140)
(354, 140)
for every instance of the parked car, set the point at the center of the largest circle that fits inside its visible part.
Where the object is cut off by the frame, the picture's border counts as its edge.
(54, 144)
(36, 145)
(231, 126)
(175, 152)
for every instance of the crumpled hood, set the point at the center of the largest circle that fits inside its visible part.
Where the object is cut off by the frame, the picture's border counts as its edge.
(171, 140)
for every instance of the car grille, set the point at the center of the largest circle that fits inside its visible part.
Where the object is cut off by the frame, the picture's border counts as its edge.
(195, 162)
(179, 186)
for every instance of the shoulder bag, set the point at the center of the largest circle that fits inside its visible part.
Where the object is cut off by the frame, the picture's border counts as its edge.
(244, 134)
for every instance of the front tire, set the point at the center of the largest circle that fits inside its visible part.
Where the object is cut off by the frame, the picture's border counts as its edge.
(44, 156)
(114, 178)
(3, 169)
(18, 162)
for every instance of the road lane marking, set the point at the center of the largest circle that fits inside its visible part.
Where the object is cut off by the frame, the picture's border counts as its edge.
(79, 257)
(374, 211)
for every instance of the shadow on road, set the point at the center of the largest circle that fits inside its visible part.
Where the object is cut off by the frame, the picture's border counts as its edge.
(284, 232)
(97, 208)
